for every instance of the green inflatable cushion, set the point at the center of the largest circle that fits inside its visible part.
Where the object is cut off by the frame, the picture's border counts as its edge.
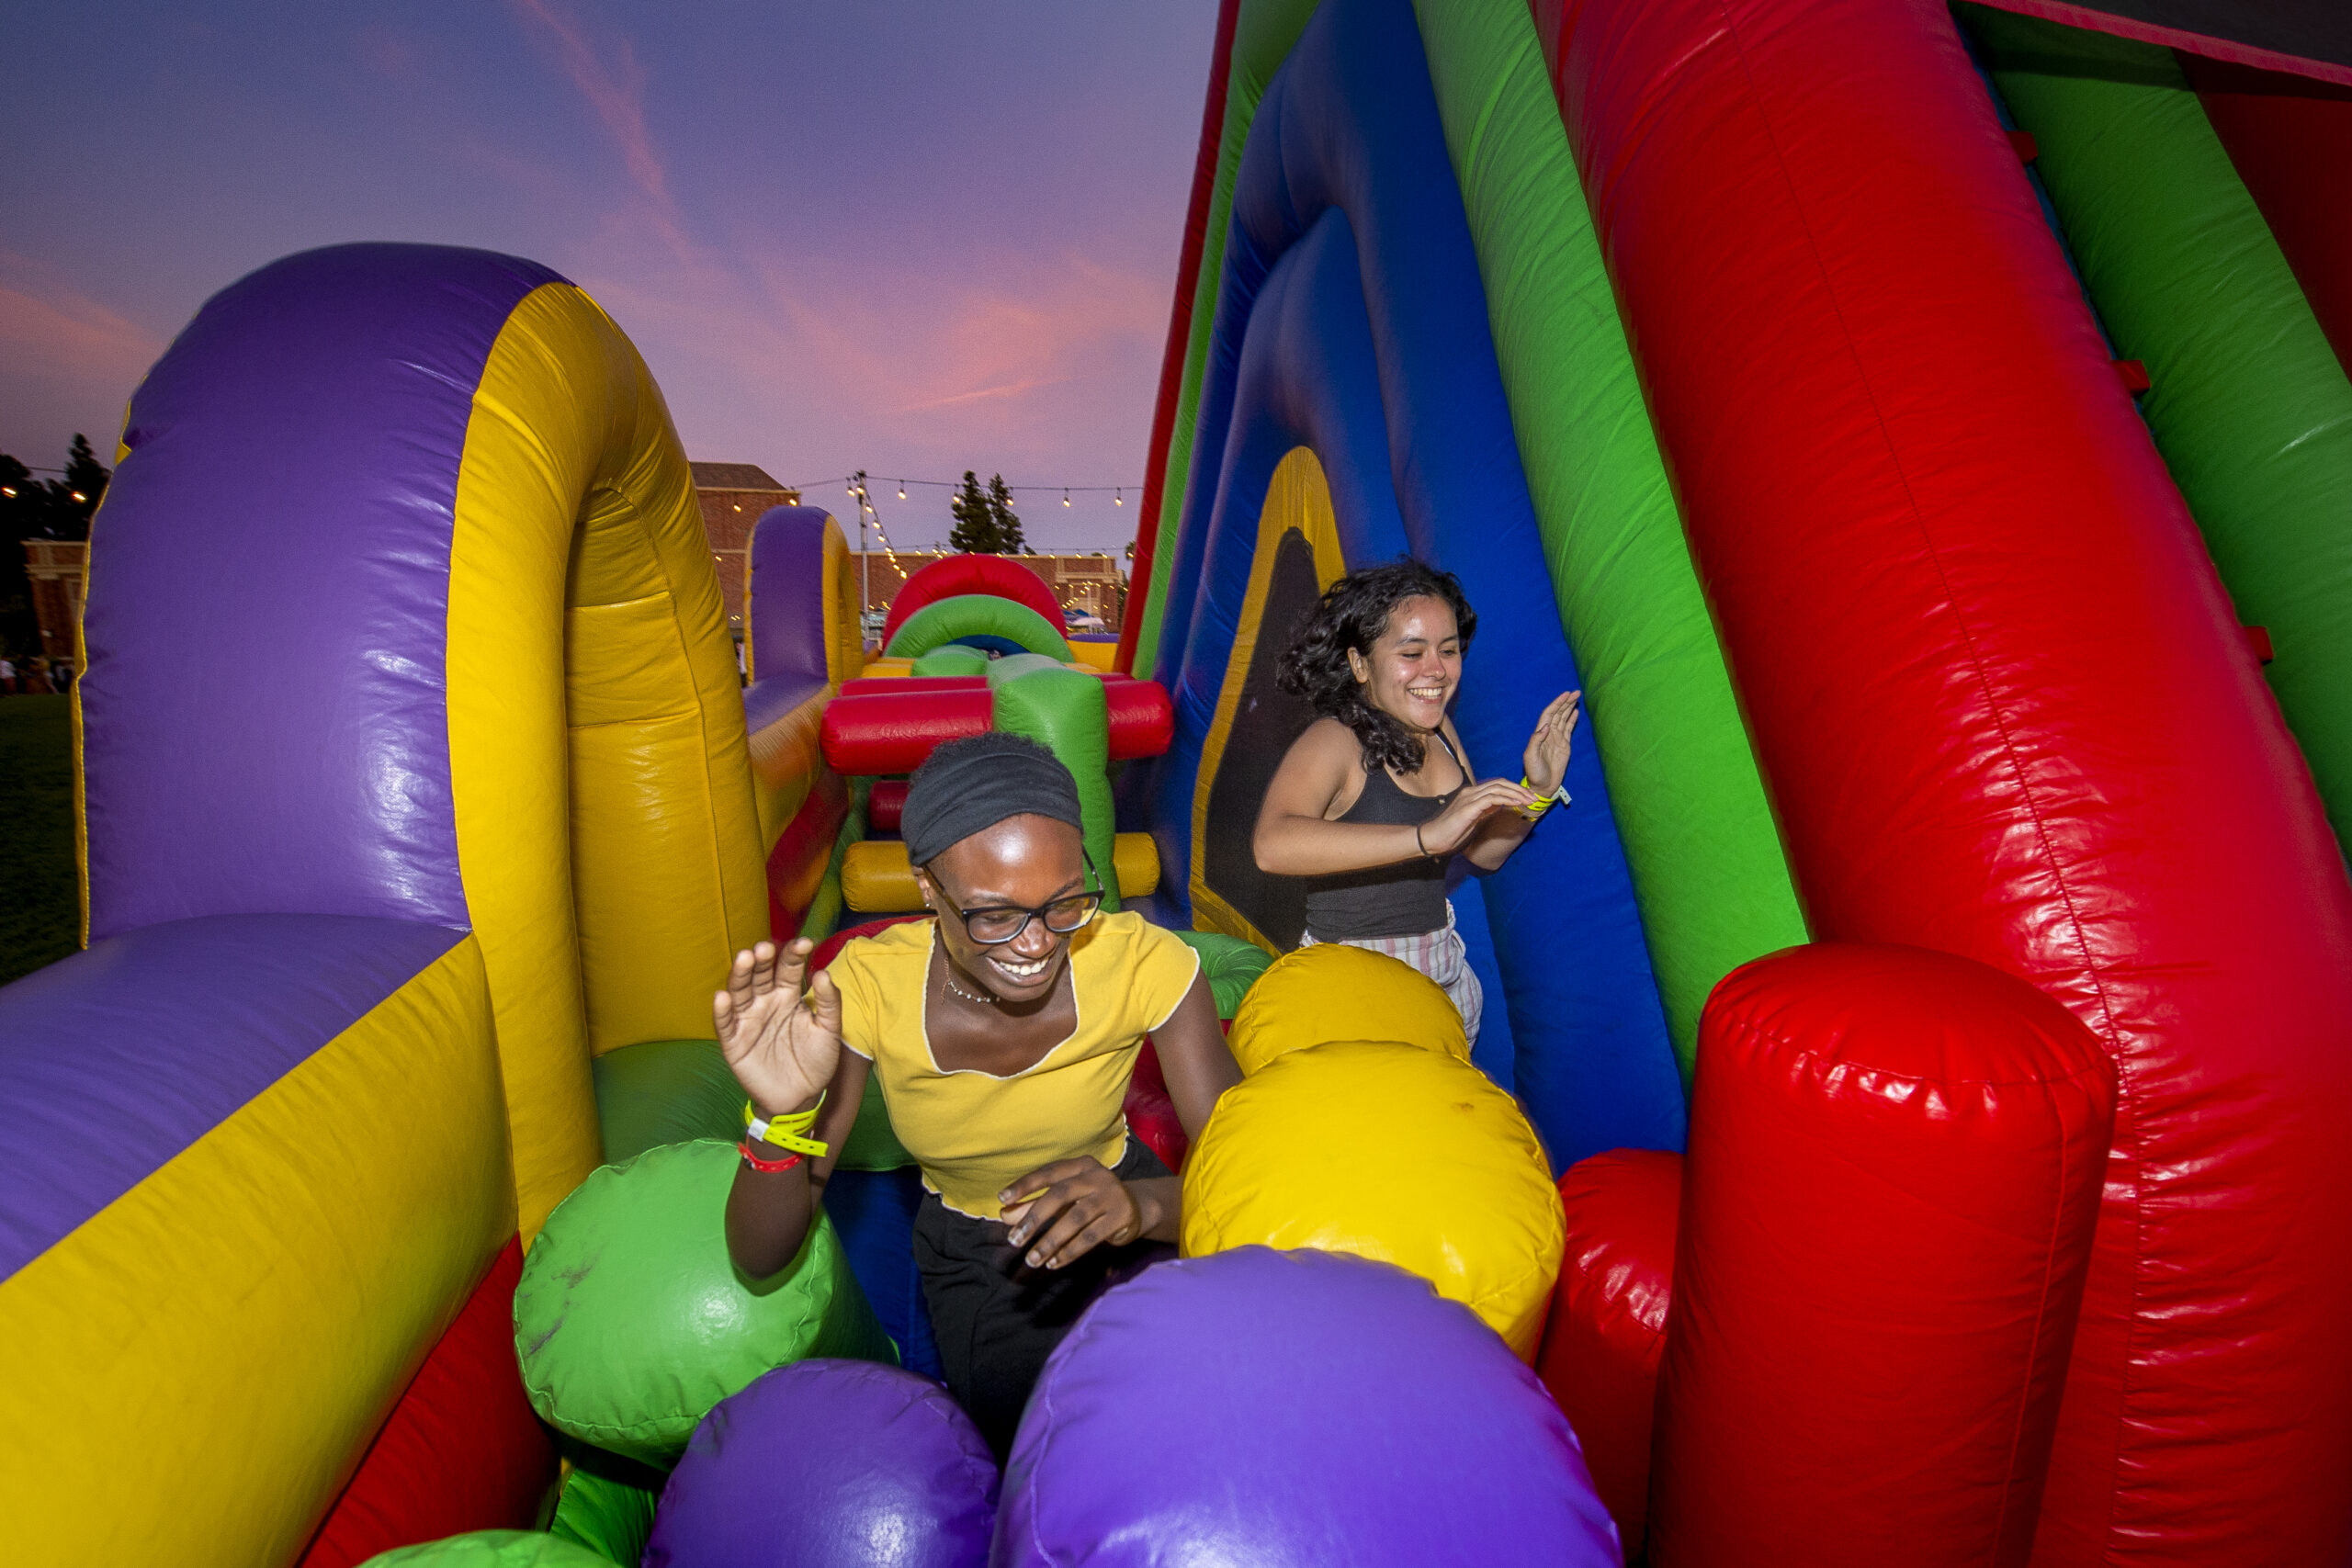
(631, 1322)
(1231, 965)
(491, 1548)
(607, 1505)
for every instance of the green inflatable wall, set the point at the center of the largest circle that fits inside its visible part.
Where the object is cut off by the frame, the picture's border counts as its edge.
(2247, 403)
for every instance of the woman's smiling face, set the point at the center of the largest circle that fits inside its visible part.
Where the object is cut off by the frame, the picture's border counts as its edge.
(1022, 863)
(1415, 667)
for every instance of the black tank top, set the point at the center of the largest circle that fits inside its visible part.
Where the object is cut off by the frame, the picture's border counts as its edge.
(1403, 899)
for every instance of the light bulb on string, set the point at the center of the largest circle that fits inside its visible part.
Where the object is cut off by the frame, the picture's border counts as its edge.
(902, 489)
(1118, 498)
(1064, 497)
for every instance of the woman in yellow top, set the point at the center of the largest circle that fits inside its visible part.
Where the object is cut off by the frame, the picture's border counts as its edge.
(1004, 1033)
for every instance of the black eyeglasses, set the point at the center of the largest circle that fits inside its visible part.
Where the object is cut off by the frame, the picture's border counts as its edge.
(995, 925)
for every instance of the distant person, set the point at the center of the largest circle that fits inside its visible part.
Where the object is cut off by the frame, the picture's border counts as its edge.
(1364, 804)
(37, 674)
(8, 676)
(61, 675)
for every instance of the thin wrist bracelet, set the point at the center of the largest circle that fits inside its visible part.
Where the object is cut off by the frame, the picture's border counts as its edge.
(1417, 839)
(766, 1167)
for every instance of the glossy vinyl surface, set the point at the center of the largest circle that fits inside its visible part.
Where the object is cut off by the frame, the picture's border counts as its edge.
(900, 1476)
(277, 535)
(203, 1015)
(1887, 1222)
(2002, 702)
(631, 1322)
(1307, 1410)
(1606, 1330)
(460, 1451)
(1292, 1158)
(1332, 991)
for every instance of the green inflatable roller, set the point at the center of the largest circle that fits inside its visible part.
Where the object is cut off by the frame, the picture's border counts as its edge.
(631, 1322)
(491, 1548)
(1010, 627)
(1231, 965)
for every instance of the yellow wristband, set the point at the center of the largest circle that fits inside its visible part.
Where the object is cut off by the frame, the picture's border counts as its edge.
(1541, 807)
(789, 1132)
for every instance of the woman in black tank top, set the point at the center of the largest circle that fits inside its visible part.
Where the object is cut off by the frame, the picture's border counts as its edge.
(1363, 805)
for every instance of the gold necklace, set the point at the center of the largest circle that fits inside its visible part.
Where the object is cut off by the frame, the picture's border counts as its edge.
(947, 978)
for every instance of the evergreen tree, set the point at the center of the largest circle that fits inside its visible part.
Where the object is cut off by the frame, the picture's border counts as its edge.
(1008, 521)
(73, 498)
(985, 520)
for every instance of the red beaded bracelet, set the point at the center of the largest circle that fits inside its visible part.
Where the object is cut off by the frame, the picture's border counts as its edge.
(765, 1167)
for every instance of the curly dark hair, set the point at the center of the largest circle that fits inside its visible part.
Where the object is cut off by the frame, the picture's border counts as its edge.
(1352, 614)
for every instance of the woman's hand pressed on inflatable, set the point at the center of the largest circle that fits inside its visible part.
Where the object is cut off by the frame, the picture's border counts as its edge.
(1547, 750)
(782, 1045)
(1067, 1209)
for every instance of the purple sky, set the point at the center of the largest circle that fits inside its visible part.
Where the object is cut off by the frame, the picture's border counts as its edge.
(912, 236)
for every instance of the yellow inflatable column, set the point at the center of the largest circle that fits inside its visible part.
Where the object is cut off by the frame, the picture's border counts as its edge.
(605, 826)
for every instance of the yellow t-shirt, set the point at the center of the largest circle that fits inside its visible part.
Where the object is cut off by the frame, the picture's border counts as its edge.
(974, 1133)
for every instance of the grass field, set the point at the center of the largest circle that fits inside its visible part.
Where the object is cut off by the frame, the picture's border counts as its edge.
(40, 908)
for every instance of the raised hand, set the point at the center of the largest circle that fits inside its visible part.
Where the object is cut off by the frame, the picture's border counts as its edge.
(782, 1047)
(1547, 749)
(1450, 829)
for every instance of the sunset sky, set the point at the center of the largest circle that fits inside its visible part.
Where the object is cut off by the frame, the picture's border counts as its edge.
(911, 236)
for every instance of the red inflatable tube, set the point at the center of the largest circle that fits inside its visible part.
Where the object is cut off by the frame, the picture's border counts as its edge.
(2001, 702)
(1151, 1113)
(892, 732)
(2290, 141)
(796, 864)
(950, 575)
(1894, 1177)
(1607, 1327)
(885, 804)
(460, 1451)
(899, 685)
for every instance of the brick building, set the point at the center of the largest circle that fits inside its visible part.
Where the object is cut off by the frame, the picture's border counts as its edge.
(733, 496)
(58, 568)
(1094, 582)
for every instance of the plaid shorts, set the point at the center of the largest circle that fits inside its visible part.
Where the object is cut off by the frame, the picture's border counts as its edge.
(1441, 956)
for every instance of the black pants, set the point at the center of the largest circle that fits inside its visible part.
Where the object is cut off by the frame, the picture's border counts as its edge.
(997, 1319)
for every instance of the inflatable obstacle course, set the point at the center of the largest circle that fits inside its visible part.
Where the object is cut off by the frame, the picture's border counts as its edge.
(1756, 370)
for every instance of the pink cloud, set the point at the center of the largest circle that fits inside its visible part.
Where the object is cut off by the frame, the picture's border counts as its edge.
(48, 325)
(615, 90)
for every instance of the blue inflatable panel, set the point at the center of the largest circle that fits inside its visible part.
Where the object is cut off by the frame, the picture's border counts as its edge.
(1350, 319)
(874, 1210)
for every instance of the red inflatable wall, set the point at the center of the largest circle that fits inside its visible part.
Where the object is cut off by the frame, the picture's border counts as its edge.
(2001, 701)
(460, 1451)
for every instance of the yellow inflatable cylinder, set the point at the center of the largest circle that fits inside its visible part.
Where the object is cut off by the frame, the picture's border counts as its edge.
(1389, 1151)
(1334, 992)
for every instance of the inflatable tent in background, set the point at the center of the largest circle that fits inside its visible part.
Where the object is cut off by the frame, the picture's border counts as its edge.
(1755, 333)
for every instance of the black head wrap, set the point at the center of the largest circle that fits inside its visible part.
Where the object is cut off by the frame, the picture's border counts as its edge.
(966, 786)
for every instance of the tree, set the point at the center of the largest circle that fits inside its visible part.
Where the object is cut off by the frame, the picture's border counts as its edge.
(985, 520)
(35, 509)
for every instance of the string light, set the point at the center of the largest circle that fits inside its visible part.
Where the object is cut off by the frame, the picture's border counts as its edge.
(1064, 497)
(1118, 498)
(902, 489)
